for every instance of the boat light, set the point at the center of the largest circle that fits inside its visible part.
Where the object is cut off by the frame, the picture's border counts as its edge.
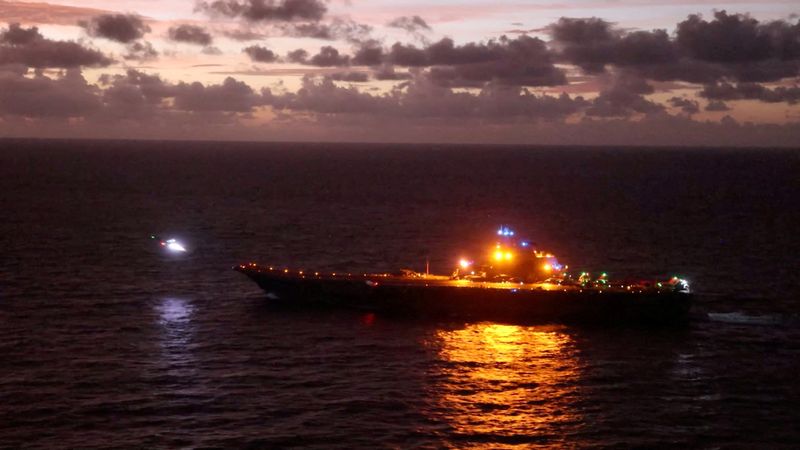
(464, 263)
(505, 231)
(547, 268)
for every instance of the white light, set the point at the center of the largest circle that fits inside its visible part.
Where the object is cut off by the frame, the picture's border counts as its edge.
(175, 246)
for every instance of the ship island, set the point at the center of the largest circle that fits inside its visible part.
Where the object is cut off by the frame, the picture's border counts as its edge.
(513, 282)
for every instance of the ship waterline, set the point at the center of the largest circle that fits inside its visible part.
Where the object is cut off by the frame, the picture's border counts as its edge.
(437, 296)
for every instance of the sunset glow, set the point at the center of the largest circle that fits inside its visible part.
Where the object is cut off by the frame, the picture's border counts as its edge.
(584, 72)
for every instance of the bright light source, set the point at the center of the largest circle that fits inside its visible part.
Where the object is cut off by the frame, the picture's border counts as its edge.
(547, 267)
(173, 245)
(505, 231)
(464, 263)
(498, 255)
(508, 256)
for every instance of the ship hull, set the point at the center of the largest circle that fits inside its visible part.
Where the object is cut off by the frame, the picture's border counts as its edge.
(419, 298)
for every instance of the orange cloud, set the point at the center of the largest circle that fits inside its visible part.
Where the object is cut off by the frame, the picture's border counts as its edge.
(45, 13)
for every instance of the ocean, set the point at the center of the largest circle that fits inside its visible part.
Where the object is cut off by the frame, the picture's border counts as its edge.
(106, 341)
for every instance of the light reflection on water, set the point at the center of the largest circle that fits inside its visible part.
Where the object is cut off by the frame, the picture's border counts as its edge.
(174, 311)
(503, 384)
(176, 336)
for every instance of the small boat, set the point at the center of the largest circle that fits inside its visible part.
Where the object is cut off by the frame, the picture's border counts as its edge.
(515, 283)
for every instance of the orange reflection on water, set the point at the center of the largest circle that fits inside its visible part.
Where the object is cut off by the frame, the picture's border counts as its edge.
(502, 384)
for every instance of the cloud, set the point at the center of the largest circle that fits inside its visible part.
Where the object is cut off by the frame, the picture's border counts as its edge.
(717, 105)
(191, 34)
(686, 105)
(370, 54)
(735, 47)
(751, 91)
(624, 99)
(581, 31)
(412, 24)
(139, 93)
(421, 99)
(594, 43)
(124, 28)
(141, 51)
(45, 13)
(28, 47)
(299, 56)
(419, 109)
(351, 77)
(334, 29)
(16, 35)
(258, 53)
(327, 57)
(43, 97)
(134, 95)
(230, 96)
(244, 35)
(523, 61)
(736, 38)
(387, 72)
(266, 10)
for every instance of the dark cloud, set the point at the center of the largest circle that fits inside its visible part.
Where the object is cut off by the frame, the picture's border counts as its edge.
(244, 35)
(370, 54)
(593, 43)
(689, 70)
(717, 105)
(335, 29)
(258, 53)
(266, 10)
(686, 105)
(191, 34)
(581, 31)
(734, 47)
(728, 38)
(124, 28)
(134, 95)
(230, 96)
(623, 99)
(141, 51)
(149, 89)
(520, 61)
(43, 97)
(299, 56)
(352, 77)
(147, 97)
(421, 99)
(412, 24)
(28, 47)
(741, 47)
(16, 35)
(327, 57)
(751, 91)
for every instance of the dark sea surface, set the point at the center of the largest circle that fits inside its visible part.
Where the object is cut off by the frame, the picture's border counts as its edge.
(107, 341)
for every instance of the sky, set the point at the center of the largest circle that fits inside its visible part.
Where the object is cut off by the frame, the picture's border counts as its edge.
(587, 72)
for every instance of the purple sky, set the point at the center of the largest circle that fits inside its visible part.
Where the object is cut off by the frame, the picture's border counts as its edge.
(580, 72)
